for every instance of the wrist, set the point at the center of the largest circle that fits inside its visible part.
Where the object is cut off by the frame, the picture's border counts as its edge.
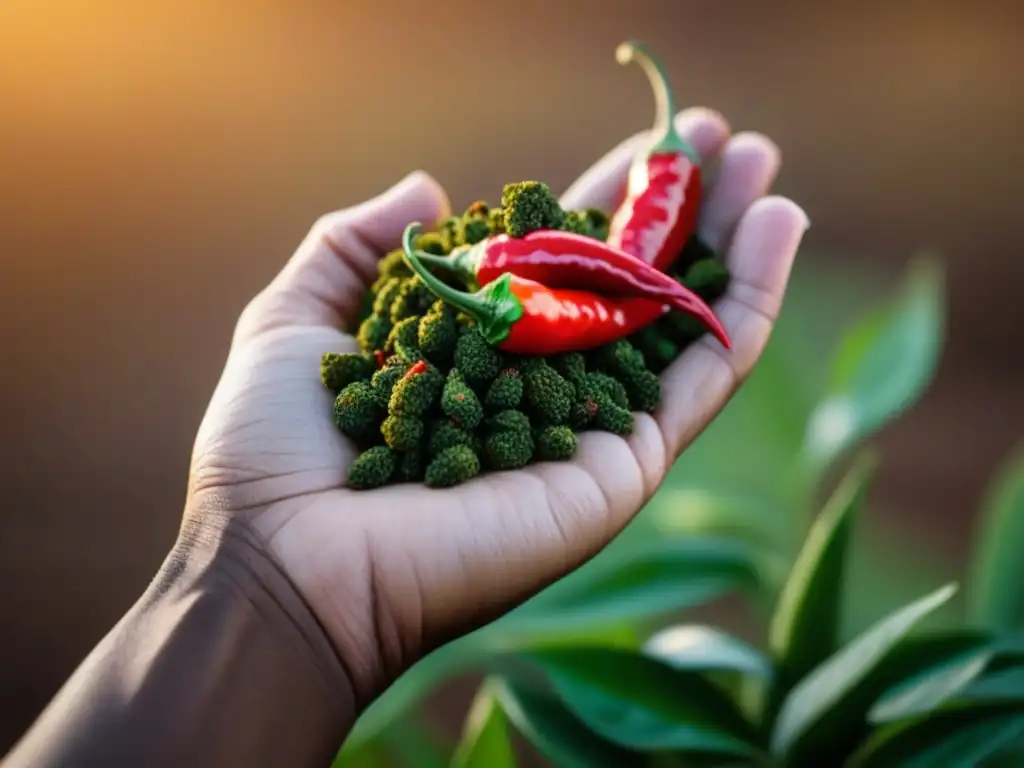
(220, 662)
(272, 645)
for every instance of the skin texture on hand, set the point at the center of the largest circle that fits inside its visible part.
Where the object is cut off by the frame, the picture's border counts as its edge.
(394, 572)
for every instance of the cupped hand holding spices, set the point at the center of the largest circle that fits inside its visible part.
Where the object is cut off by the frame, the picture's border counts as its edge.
(290, 601)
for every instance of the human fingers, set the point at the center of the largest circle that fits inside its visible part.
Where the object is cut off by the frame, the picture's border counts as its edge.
(748, 165)
(699, 383)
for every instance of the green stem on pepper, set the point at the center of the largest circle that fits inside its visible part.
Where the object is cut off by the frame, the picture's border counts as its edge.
(560, 259)
(526, 317)
(494, 308)
(664, 136)
(663, 192)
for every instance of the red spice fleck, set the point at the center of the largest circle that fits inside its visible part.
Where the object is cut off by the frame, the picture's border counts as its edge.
(460, 397)
(417, 368)
(378, 355)
(509, 372)
(591, 407)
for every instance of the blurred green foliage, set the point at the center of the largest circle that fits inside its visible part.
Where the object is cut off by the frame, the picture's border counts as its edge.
(589, 673)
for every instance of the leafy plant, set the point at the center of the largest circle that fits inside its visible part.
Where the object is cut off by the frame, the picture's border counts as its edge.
(891, 696)
(485, 742)
(997, 599)
(588, 673)
(883, 365)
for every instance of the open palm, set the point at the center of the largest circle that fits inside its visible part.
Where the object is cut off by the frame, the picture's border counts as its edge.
(393, 572)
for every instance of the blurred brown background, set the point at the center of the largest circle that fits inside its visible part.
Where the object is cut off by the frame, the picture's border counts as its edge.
(159, 161)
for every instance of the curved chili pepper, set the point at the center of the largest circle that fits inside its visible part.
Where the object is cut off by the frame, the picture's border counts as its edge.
(525, 317)
(663, 193)
(560, 259)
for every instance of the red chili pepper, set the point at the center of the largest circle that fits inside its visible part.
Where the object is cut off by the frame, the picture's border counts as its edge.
(560, 259)
(663, 194)
(417, 368)
(525, 317)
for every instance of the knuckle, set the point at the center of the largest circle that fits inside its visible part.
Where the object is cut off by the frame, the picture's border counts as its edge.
(757, 299)
(331, 226)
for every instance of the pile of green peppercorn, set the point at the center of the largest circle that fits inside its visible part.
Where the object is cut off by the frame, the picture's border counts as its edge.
(429, 400)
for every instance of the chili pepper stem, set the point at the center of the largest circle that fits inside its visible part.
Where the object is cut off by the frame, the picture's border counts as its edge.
(665, 137)
(462, 261)
(494, 308)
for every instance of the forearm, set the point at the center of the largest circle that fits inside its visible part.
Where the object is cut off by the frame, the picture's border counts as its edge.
(220, 663)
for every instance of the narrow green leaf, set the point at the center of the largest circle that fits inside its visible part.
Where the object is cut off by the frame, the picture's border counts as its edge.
(412, 741)
(920, 652)
(485, 742)
(705, 649)
(825, 691)
(930, 689)
(557, 733)
(805, 627)
(1006, 685)
(951, 739)
(994, 597)
(888, 568)
(1009, 756)
(657, 579)
(1007, 646)
(624, 635)
(883, 365)
(844, 727)
(373, 753)
(641, 703)
(415, 685)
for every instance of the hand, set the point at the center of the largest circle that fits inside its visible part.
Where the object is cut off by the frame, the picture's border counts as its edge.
(393, 572)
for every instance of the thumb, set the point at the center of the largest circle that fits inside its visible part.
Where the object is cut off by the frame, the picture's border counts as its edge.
(324, 281)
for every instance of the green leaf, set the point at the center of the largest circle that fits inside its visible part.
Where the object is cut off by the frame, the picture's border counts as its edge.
(704, 649)
(411, 741)
(994, 596)
(641, 703)
(555, 732)
(510, 640)
(1004, 686)
(485, 742)
(760, 522)
(1010, 756)
(681, 512)
(369, 754)
(883, 365)
(805, 627)
(741, 671)
(415, 685)
(651, 581)
(888, 568)
(930, 689)
(827, 694)
(951, 739)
